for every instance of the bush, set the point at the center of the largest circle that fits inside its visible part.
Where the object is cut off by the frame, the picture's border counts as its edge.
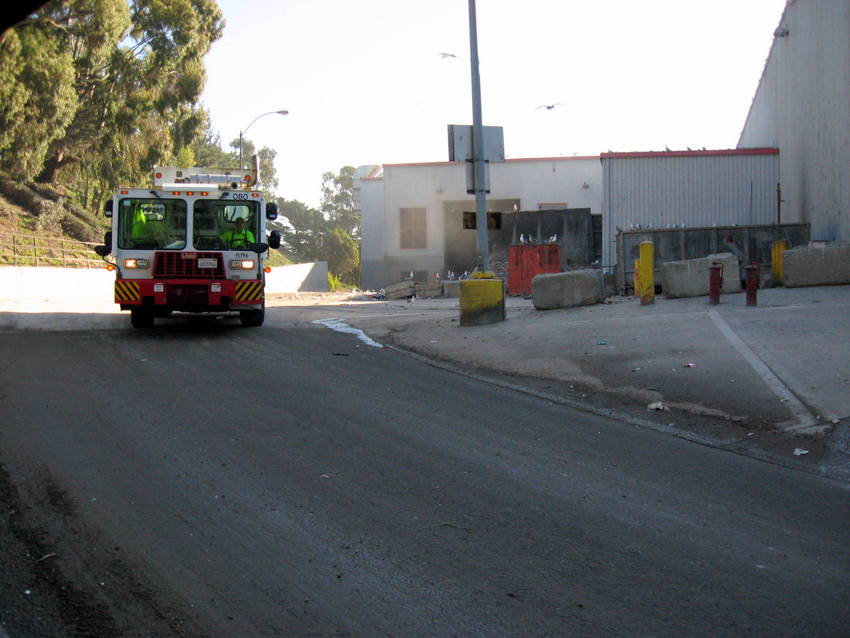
(48, 215)
(334, 284)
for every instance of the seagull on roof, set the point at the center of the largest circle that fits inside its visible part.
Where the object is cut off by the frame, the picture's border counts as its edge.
(549, 107)
(445, 55)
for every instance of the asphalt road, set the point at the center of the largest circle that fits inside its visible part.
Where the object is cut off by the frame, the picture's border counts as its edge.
(202, 479)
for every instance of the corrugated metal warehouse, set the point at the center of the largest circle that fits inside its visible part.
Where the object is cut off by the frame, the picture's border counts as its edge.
(675, 189)
(802, 106)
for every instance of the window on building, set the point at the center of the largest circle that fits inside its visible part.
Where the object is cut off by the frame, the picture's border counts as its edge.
(470, 220)
(413, 228)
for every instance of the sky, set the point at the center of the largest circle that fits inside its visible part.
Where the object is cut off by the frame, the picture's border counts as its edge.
(367, 82)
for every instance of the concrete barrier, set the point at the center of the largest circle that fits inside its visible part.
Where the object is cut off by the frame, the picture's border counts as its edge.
(451, 288)
(689, 278)
(400, 290)
(824, 266)
(429, 290)
(82, 284)
(309, 277)
(567, 289)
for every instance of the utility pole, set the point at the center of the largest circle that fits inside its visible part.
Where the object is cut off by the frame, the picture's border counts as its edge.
(479, 165)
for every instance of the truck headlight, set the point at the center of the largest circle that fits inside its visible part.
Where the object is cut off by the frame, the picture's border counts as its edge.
(242, 264)
(136, 263)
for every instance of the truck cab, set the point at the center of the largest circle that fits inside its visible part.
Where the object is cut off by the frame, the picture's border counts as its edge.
(195, 242)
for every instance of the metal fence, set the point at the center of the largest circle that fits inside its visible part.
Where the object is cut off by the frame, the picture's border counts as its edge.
(677, 244)
(17, 249)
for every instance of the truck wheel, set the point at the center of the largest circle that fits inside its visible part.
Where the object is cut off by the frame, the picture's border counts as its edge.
(141, 318)
(253, 318)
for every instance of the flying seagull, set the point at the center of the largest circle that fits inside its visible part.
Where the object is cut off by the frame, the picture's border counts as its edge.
(445, 55)
(549, 107)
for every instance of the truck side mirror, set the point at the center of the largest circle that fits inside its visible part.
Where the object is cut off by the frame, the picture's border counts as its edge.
(107, 238)
(259, 247)
(274, 239)
(103, 251)
(271, 211)
(107, 208)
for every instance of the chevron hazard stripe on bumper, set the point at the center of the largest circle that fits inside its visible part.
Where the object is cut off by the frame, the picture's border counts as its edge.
(126, 291)
(248, 291)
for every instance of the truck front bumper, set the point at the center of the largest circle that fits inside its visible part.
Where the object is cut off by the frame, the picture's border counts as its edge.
(189, 294)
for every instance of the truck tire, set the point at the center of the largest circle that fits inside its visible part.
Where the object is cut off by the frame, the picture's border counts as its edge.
(141, 318)
(253, 318)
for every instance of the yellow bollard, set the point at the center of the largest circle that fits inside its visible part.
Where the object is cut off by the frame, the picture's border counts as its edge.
(482, 300)
(777, 260)
(647, 273)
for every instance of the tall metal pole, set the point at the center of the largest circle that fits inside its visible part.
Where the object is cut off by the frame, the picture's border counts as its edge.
(479, 168)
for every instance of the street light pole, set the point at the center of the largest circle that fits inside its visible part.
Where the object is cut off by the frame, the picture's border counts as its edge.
(245, 130)
(479, 167)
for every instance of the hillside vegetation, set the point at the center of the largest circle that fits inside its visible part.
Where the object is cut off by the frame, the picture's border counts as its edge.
(40, 209)
(94, 94)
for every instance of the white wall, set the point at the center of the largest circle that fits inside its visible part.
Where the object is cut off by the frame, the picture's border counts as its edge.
(309, 277)
(96, 285)
(802, 106)
(369, 200)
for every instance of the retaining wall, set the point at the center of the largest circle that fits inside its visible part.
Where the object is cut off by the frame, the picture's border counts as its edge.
(96, 284)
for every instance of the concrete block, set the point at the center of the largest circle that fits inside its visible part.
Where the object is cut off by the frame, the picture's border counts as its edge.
(401, 290)
(689, 278)
(824, 266)
(567, 289)
(429, 290)
(451, 288)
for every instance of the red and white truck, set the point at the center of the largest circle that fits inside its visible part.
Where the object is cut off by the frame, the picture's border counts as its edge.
(195, 242)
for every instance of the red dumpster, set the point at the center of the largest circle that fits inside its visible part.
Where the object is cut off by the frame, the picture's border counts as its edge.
(527, 260)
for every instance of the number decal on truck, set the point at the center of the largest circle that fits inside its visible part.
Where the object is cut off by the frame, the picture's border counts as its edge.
(239, 196)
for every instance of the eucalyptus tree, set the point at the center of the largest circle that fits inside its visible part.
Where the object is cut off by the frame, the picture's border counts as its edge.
(127, 76)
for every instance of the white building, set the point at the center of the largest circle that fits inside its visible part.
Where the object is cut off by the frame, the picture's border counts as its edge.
(413, 214)
(802, 106)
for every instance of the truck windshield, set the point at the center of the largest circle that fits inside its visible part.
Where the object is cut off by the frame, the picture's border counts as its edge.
(152, 223)
(224, 225)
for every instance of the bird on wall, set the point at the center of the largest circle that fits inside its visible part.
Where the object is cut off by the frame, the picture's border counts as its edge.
(549, 107)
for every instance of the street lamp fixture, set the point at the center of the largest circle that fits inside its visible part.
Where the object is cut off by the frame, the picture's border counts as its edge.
(245, 130)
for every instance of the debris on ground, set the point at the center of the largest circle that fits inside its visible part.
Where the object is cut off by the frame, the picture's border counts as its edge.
(658, 405)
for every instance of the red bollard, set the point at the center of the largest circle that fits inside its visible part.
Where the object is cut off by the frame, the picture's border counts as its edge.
(715, 282)
(752, 278)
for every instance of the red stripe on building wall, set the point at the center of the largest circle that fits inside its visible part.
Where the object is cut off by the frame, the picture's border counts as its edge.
(730, 151)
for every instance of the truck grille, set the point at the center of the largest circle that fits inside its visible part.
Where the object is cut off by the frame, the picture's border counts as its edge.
(184, 265)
